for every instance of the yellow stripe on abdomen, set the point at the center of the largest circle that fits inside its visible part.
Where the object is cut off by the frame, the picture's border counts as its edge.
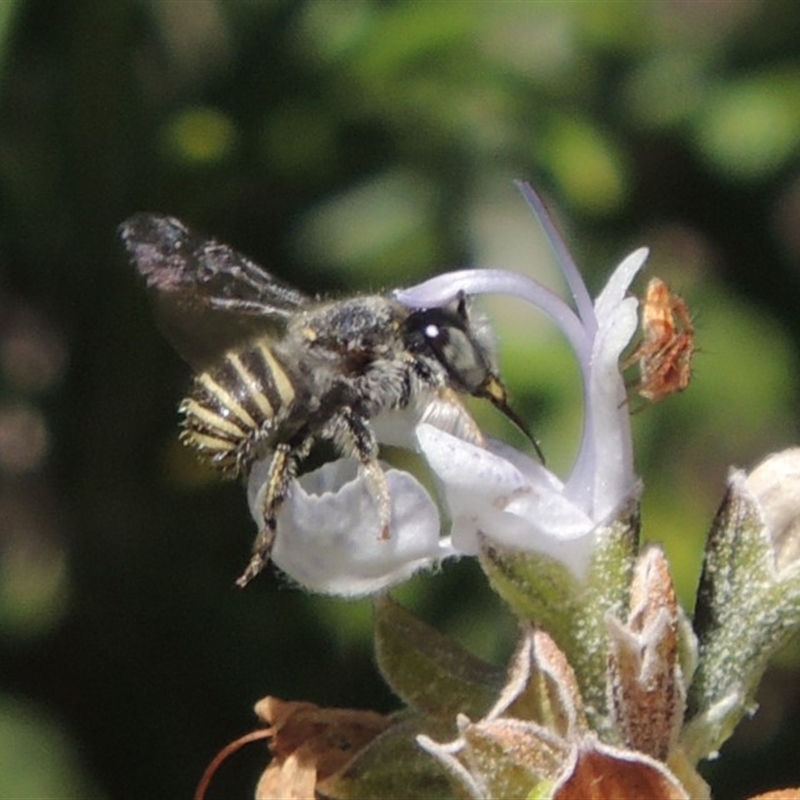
(225, 399)
(283, 384)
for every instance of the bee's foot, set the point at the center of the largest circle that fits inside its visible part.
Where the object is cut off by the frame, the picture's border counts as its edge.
(257, 563)
(260, 558)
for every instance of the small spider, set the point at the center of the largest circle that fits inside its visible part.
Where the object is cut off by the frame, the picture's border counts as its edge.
(665, 353)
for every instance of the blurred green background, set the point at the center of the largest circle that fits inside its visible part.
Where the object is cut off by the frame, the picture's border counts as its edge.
(351, 145)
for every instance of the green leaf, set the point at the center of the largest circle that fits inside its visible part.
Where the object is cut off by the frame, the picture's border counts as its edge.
(393, 766)
(750, 127)
(428, 671)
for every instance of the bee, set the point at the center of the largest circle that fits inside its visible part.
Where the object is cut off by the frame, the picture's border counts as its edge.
(665, 352)
(277, 370)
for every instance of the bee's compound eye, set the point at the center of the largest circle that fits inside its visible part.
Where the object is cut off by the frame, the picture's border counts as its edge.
(463, 360)
(445, 336)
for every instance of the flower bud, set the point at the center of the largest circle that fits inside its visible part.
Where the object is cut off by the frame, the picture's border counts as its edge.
(645, 680)
(775, 484)
(748, 603)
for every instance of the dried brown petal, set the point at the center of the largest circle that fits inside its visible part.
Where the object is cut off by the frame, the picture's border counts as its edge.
(645, 682)
(309, 743)
(292, 779)
(605, 773)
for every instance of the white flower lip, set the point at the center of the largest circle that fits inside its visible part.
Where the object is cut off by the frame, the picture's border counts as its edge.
(503, 494)
(328, 530)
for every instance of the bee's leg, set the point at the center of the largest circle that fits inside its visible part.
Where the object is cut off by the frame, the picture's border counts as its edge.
(278, 479)
(365, 447)
(447, 412)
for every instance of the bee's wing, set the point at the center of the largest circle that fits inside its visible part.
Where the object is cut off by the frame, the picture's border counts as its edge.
(210, 297)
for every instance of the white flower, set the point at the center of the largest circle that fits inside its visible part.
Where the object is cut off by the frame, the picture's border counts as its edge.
(327, 537)
(328, 530)
(507, 496)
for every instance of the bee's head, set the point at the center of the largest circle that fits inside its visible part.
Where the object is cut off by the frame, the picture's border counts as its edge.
(446, 336)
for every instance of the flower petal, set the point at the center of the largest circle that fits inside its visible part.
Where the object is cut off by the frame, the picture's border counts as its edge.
(473, 476)
(329, 534)
(603, 477)
(507, 496)
(564, 258)
(619, 282)
(613, 445)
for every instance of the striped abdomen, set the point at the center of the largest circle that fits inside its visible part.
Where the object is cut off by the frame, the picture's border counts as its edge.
(235, 405)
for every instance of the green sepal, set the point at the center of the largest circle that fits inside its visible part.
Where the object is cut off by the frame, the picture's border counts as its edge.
(541, 688)
(393, 766)
(545, 592)
(513, 758)
(429, 672)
